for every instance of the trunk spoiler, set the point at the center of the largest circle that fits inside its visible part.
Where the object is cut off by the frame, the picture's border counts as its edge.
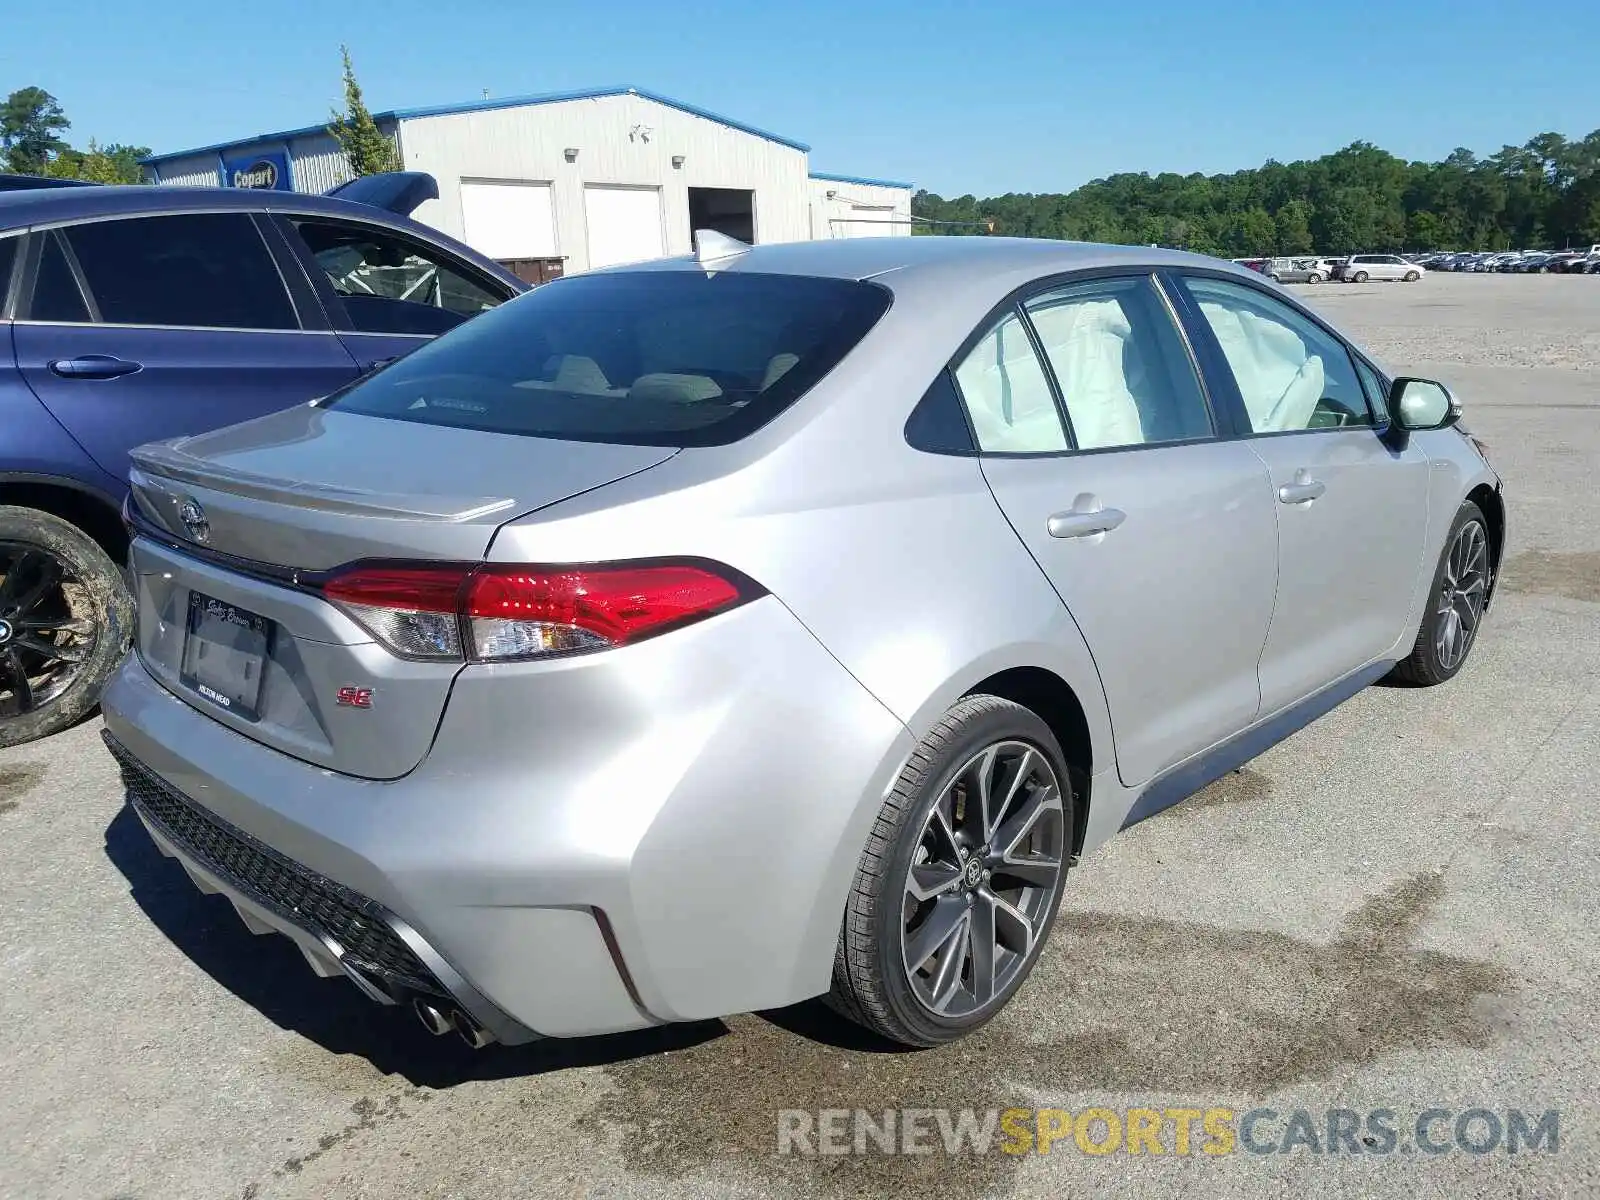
(398, 192)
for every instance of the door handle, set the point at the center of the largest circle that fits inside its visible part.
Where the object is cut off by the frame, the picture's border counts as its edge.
(1085, 518)
(94, 366)
(1303, 490)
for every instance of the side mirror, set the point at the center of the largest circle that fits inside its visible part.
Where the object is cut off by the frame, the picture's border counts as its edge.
(1418, 404)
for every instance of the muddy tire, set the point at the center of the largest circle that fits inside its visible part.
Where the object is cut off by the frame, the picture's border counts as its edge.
(961, 877)
(65, 621)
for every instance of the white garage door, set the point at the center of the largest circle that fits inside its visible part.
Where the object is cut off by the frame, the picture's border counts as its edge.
(508, 220)
(624, 224)
(870, 220)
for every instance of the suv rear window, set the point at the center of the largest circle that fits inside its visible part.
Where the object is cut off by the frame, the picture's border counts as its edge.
(661, 358)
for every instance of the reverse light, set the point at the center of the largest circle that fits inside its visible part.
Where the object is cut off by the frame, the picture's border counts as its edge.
(497, 613)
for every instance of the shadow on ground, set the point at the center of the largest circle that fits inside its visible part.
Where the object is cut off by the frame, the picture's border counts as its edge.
(1120, 1008)
(269, 974)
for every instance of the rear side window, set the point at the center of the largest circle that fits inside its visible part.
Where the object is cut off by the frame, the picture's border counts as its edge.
(1122, 368)
(198, 269)
(389, 284)
(664, 358)
(1008, 396)
(56, 294)
(8, 255)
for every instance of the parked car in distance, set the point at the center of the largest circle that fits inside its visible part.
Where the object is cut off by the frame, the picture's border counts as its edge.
(1296, 270)
(1363, 267)
(1560, 262)
(592, 668)
(134, 313)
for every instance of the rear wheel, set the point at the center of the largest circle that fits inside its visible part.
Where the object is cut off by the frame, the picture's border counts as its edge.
(65, 619)
(961, 877)
(1359, 277)
(1455, 604)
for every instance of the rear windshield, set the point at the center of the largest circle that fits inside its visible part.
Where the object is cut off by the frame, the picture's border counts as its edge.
(660, 358)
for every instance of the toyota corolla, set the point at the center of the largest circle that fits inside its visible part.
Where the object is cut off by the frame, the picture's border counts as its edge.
(706, 635)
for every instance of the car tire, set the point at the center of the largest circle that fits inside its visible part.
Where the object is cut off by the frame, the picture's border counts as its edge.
(1359, 277)
(60, 591)
(1467, 559)
(1411, 277)
(1274, 279)
(892, 914)
(1313, 278)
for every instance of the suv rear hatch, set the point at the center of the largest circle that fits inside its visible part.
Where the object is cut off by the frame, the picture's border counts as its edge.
(239, 524)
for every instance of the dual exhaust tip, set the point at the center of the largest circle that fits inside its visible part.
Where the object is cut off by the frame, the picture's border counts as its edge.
(439, 1021)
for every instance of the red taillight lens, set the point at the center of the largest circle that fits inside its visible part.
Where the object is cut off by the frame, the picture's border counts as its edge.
(520, 612)
(511, 612)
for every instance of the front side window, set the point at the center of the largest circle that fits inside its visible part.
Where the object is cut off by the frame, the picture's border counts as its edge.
(389, 284)
(660, 358)
(1007, 394)
(1377, 393)
(195, 269)
(1124, 373)
(1292, 374)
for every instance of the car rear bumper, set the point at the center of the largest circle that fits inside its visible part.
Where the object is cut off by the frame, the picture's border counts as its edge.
(604, 842)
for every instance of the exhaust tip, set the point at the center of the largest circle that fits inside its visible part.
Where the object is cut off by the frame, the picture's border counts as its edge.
(471, 1032)
(433, 1018)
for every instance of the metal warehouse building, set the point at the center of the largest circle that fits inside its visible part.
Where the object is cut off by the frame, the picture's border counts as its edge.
(560, 183)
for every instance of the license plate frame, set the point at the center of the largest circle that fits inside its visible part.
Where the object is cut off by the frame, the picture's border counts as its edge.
(228, 671)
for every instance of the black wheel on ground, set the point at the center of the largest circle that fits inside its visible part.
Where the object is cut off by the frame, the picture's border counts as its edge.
(1359, 277)
(65, 620)
(1455, 603)
(1412, 277)
(1313, 278)
(960, 879)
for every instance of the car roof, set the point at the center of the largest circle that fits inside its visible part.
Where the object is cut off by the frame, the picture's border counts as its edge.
(35, 206)
(895, 260)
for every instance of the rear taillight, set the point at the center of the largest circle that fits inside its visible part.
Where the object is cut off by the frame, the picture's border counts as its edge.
(496, 613)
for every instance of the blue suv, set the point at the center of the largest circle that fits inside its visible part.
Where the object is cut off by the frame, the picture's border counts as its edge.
(129, 314)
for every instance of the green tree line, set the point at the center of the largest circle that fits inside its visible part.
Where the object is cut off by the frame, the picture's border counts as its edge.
(1544, 194)
(32, 125)
(31, 143)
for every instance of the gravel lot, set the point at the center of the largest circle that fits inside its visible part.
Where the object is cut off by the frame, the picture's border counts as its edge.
(1396, 908)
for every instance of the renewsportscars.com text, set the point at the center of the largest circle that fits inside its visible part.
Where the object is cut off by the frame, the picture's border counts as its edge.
(1211, 1131)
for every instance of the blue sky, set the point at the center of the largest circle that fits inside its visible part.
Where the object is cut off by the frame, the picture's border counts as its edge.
(1007, 95)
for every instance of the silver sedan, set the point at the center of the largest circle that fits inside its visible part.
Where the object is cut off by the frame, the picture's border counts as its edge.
(707, 635)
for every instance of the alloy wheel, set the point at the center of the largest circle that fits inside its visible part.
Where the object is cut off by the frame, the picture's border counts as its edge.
(983, 879)
(1461, 595)
(45, 636)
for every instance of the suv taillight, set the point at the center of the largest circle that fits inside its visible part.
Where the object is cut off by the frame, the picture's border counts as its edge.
(491, 612)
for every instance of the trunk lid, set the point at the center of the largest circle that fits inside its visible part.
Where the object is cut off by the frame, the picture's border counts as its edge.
(248, 510)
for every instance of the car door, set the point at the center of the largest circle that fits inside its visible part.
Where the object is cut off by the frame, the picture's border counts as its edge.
(387, 292)
(1352, 506)
(1097, 441)
(149, 327)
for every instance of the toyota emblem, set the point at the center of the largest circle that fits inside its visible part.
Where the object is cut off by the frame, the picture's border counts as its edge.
(194, 520)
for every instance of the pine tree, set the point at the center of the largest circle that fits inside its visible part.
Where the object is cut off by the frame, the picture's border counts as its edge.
(364, 144)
